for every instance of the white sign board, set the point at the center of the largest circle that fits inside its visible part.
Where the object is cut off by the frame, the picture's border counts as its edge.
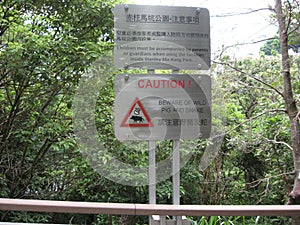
(161, 107)
(162, 37)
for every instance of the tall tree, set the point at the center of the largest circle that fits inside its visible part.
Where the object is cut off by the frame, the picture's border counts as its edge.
(284, 86)
(285, 29)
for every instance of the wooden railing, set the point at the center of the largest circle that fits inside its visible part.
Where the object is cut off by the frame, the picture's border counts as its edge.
(146, 209)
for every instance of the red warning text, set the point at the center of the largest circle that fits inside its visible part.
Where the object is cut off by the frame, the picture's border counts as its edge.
(164, 83)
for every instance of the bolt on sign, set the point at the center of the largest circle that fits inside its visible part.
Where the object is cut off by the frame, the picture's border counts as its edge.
(161, 37)
(162, 106)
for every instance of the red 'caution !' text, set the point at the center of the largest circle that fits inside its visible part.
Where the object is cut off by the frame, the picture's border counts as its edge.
(164, 84)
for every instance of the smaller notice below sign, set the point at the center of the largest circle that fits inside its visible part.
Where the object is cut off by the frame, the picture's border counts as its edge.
(162, 37)
(160, 107)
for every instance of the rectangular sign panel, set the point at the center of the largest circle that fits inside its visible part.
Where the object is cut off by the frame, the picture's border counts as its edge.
(162, 37)
(161, 107)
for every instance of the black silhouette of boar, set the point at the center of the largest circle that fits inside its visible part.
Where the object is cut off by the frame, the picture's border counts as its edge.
(137, 119)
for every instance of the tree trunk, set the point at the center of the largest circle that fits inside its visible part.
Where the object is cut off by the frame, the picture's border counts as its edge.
(290, 104)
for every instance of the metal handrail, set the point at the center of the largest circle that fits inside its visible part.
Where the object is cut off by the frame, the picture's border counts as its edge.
(147, 209)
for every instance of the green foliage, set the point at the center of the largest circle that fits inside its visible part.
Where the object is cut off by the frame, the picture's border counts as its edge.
(292, 9)
(215, 220)
(241, 220)
(259, 134)
(45, 48)
(271, 47)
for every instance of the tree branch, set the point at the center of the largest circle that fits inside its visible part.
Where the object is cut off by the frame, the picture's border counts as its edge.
(278, 142)
(252, 76)
(253, 118)
(289, 19)
(245, 43)
(244, 13)
(256, 182)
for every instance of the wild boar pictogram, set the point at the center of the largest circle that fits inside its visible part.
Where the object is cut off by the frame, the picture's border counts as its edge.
(137, 119)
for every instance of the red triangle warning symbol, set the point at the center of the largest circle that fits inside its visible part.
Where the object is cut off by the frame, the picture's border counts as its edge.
(137, 116)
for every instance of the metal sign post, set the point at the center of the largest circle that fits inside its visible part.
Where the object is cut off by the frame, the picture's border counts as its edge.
(176, 176)
(159, 106)
(152, 169)
(176, 173)
(152, 174)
